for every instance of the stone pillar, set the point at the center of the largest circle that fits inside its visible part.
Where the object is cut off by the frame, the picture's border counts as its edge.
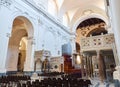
(82, 64)
(12, 57)
(4, 40)
(115, 19)
(86, 65)
(115, 54)
(29, 61)
(73, 60)
(101, 66)
(91, 67)
(115, 22)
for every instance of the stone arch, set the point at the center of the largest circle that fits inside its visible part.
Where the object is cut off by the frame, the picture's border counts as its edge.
(38, 65)
(24, 17)
(21, 27)
(99, 30)
(93, 15)
(92, 26)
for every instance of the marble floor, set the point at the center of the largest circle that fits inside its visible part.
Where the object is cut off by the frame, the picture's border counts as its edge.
(96, 83)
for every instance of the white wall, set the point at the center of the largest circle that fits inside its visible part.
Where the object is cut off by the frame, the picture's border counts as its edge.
(56, 34)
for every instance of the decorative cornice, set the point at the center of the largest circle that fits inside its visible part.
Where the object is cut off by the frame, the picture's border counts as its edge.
(45, 14)
(6, 3)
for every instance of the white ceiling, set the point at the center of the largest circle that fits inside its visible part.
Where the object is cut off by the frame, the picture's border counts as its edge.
(77, 9)
(68, 5)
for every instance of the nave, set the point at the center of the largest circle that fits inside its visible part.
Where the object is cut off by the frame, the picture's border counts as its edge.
(79, 38)
(55, 79)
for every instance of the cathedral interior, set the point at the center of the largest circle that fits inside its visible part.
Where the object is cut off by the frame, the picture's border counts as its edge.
(59, 43)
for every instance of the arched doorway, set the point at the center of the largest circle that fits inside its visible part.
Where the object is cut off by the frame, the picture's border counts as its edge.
(20, 44)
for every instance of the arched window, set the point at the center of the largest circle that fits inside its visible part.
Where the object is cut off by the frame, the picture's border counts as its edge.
(52, 7)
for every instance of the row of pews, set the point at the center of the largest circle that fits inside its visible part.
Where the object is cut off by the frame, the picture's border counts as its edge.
(66, 80)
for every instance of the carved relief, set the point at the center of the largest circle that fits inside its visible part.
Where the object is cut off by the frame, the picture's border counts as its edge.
(109, 40)
(95, 42)
(85, 42)
(6, 3)
(40, 22)
(83, 33)
(85, 30)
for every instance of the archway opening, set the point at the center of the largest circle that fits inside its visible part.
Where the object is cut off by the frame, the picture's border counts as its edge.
(89, 22)
(22, 54)
(97, 31)
(91, 26)
(18, 44)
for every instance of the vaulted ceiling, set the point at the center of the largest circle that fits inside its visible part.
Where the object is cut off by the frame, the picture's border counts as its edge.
(81, 9)
(81, 4)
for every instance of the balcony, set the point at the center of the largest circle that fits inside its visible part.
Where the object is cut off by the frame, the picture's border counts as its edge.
(101, 42)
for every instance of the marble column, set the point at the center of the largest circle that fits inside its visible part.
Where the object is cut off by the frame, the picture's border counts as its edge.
(115, 54)
(91, 67)
(86, 65)
(73, 59)
(12, 57)
(82, 64)
(101, 66)
(115, 22)
(29, 61)
(4, 40)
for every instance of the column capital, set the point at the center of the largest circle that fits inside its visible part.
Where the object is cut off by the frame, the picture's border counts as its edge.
(84, 54)
(98, 52)
(32, 40)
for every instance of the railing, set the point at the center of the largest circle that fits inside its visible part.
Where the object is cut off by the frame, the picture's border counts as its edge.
(100, 42)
